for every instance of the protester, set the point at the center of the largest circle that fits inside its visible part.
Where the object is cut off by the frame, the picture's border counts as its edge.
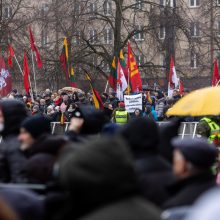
(155, 173)
(120, 115)
(100, 178)
(192, 162)
(12, 114)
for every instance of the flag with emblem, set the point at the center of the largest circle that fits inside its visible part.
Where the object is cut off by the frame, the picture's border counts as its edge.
(134, 74)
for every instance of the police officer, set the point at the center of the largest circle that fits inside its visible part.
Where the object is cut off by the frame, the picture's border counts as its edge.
(120, 115)
(210, 127)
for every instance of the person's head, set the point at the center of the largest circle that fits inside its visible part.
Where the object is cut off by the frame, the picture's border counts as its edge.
(31, 129)
(24, 98)
(35, 108)
(65, 98)
(100, 171)
(81, 97)
(175, 93)
(121, 105)
(192, 156)
(42, 102)
(12, 113)
(142, 136)
(137, 112)
(50, 109)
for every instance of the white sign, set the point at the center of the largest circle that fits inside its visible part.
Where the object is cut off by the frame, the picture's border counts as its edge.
(133, 102)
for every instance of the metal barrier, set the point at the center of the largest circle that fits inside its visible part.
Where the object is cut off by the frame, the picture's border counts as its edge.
(187, 129)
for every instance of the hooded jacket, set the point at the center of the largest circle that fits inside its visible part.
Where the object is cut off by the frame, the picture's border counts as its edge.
(12, 159)
(101, 179)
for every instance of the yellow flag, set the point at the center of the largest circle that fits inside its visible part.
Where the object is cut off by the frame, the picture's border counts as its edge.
(65, 43)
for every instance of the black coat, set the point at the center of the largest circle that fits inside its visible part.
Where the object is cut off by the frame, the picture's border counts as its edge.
(155, 174)
(12, 161)
(186, 191)
(128, 209)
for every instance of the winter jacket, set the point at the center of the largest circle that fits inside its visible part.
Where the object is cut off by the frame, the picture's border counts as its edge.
(159, 108)
(186, 191)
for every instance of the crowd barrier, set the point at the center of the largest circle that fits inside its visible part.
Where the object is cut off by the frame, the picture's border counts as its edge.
(187, 129)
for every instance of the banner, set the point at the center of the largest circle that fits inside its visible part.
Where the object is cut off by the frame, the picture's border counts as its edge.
(5, 79)
(133, 102)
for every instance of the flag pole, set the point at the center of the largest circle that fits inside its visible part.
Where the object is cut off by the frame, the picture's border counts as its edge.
(106, 87)
(19, 66)
(34, 73)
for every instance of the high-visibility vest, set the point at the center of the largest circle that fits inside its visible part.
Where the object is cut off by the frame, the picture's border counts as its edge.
(215, 131)
(121, 117)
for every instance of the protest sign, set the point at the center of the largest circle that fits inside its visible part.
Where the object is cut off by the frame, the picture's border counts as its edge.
(133, 102)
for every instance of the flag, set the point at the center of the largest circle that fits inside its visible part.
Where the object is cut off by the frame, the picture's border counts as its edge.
(26, 73)
(112, 79)
(65, 63)
(35, 50)
(181, 88)
(173, 79)
(215, 77)
(10, 55)
(134, 74)
(121, 82)
(95, 95)
(5, 79)
(72, 78)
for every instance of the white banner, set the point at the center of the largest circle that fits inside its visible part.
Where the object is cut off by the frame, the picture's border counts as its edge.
(133, 102)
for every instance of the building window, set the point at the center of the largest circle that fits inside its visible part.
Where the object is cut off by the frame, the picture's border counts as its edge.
(7, 12)
(78, 37)
(162, 32)
(162, 60)
(140, 60)
(138, 5)
(77, 9)
(45, 9)
(108, 36)
(194, 3)
(195, 32)
(44, 38)
(93, 36)
(139, 36)
(93, 8)
(194, 60)
(108, 7)
(169, 3)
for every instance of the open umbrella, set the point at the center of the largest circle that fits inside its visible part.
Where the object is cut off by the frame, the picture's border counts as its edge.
(201, 102)
(71, 89)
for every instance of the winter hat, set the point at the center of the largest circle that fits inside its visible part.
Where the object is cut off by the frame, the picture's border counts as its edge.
(37, 126)
(110, 129)
(98, 172)
(121, 104)
(14, 112)
(142, 135)
(197, 151)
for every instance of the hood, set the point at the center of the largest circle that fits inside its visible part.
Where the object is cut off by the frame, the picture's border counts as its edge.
(97, 173)
(14, 113)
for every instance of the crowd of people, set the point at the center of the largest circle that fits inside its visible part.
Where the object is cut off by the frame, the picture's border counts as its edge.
(109, 164)
(58, 106)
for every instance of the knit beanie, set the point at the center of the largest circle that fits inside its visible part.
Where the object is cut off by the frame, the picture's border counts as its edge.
(37, 126)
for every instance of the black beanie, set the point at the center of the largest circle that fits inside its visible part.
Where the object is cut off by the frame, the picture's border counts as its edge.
(141, 134)
(14, 112)
(37, 126)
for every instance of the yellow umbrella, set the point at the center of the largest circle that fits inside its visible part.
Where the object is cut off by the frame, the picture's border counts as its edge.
(201, 102)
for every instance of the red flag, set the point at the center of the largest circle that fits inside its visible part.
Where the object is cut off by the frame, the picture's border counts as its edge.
(215, 77)
(181, 88)
(5, 79)
(26, 73)
(34, 49)
(10, 55)
(134, 74)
